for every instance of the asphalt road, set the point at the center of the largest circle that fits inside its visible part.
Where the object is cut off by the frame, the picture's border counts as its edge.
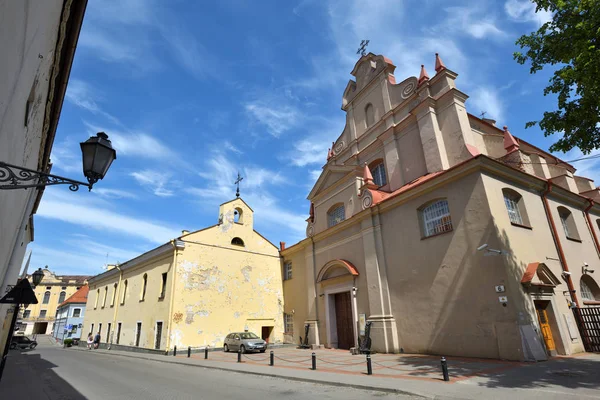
(51, 372)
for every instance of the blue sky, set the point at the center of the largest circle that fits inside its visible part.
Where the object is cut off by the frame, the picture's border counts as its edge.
(191, 92)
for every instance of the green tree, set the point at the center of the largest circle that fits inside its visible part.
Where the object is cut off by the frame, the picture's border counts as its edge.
(571, 42)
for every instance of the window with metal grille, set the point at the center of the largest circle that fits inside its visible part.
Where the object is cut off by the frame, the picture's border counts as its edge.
(589, 288)
(436, 218)
(46, 298)
(512, 206)
(288, 319)
(336, 215)
(378, 173)
(287, 270)
(568, 223)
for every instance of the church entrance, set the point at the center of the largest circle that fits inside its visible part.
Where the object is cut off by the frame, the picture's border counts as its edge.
(343, 320)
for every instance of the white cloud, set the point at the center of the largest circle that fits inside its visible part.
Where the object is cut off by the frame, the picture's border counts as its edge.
(589, 168)
(315, 174)
(472, 20)
(486, 99)
(84, 96)
(525, 11)
(156, 181)
(96, 215)
(309, 151)
(228, 146)
(277, 119)
(114, 193)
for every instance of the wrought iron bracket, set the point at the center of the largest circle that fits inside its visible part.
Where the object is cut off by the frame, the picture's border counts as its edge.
(14, 177)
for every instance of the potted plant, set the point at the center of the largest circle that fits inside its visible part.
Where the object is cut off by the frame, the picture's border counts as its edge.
(67, 342)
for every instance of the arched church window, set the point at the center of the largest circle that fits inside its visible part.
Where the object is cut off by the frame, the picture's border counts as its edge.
(589, 288)
(237, 241)
(515, 206)
(369, 115)
(568, 223)
(436, 218)
(335, 215)
(378, 172)
(61, 297)
(46, 298)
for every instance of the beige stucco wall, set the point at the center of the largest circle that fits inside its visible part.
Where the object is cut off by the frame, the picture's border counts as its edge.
(223, 288)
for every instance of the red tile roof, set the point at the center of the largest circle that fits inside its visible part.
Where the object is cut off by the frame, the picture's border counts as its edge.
(79, 296)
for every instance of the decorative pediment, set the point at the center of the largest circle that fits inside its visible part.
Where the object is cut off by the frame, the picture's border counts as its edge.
(329, 177)
(538, 274)
(337, 268)
(365, 70)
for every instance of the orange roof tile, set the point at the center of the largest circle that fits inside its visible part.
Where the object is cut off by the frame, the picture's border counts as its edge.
(79, 296)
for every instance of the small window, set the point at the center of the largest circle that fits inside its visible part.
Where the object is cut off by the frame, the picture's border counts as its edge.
(46, 298)
(589, 288)
(61, 297)
(124, 292)
(288, 320)
(108, 332)
(237, 241)
(436, 218)
(163, 288)
(568, 223)
(48, 287)
(26, 314)
(100, 328)
(335, 215)
(144, 285)
(138, 333)
(114, 295)
(105, 296)
(287, 270)
(76, 312)
(63, 288)
(369, 115)
(378, 172)
(97, 297)
(238, 216)
(515, 206)
(43, 314)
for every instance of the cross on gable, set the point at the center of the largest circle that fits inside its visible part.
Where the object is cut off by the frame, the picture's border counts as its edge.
(362, 50)
(237, 182)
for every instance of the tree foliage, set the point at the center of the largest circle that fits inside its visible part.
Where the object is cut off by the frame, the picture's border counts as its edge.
(571, 42)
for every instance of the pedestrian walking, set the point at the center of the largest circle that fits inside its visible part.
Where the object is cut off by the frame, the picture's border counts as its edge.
(97, 340)
(90, 341)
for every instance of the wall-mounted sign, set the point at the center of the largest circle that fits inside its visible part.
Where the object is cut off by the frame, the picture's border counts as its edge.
(503, 299)
(500, 289)
(362, 321)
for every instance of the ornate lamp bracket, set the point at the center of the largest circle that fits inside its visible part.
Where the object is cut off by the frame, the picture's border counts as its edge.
(14, 177)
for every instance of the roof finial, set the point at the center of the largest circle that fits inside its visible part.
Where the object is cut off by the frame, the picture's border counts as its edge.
(237, 182)
(367, 176)
(423, 77)
(439, 64)
(329, 155)
(510, 143)
(362, 49)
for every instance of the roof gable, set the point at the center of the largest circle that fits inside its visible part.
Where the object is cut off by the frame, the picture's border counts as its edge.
(330, 176)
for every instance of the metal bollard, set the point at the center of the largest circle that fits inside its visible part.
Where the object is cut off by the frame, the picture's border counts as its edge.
(239, 356)
(369, 367)
(314, 361)
(174, 351)
(206, 353)
(272, 358)
(445, 369)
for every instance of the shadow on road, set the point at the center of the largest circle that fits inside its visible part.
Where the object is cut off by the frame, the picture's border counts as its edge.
(29, 376)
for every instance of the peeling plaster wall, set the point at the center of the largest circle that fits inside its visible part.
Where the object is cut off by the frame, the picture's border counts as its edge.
(222, 288)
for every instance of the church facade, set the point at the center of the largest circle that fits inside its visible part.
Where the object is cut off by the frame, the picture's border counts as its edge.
(193, 290)
(441, 232)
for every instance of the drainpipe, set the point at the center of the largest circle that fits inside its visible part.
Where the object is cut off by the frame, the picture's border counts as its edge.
(314, 261)
(561, 254)
(591, 226)
(118, 301)
(172, 294)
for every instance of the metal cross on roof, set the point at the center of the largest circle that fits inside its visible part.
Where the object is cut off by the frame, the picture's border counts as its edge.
(237, 182)
(362, 50)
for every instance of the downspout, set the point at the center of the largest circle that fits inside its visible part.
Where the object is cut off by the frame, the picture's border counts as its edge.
(314, 261)
(561, 253)
(117, 299)
(589, 220)
(172, 295)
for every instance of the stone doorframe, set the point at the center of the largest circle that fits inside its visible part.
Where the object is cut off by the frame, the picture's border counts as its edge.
(557, 325)
(330, 320)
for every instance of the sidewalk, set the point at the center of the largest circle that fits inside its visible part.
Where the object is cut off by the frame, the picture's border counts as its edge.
(562, 378)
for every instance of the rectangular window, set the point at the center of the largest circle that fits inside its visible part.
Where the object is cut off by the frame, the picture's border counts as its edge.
(159, 326)
(163, 288)
(26, 313)
(436, 218)
(288, 320)
(287, 270)
(105, 296)
(100, 328)
(118, 332)
(138, 333)
(108, 333)
(43, 314)
(513, 210)
(92, 329)
(76, 312)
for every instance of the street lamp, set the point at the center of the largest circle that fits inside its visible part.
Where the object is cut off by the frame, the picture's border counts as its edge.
(37, 277)
(97, 154)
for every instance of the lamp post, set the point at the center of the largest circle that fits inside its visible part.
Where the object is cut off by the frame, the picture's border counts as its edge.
(21, 293)
(97, 155)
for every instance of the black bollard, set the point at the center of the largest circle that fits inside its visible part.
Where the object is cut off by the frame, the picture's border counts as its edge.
(240, 356)
(174, 351)
(445, 369)
(369, 367)
(206, 353)
(272, 358)
(314, 361)
(189, 351)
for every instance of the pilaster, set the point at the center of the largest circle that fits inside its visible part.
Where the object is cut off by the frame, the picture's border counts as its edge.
(393, 167)
(432, 140)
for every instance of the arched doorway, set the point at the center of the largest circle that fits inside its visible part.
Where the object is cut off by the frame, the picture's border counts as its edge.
(337, 283)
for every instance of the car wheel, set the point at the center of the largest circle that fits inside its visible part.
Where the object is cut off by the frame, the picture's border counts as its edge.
(13, 346)
(243, 349)
(226, 349)
(33, 345)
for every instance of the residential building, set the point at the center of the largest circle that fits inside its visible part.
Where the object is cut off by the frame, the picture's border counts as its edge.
(37, 42)
(52, 291)
(193, 290)
(441, 232)
(69, 316)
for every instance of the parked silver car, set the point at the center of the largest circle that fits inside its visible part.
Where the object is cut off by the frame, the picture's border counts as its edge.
(245, 342)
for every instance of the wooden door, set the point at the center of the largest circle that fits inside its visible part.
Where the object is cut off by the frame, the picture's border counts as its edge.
(545, 327)
(343, 320)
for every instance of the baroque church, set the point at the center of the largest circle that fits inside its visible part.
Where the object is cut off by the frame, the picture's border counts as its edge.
(440, 231)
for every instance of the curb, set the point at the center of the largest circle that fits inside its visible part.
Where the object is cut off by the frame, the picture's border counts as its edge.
(270, 375)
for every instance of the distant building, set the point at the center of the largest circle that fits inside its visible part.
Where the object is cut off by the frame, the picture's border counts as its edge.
(69, 316)
(443, 233)
(193, 290)
(52, 291)
(37, 44)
